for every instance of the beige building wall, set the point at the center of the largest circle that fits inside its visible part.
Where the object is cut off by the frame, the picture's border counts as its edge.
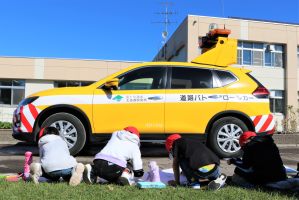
(59, 69)
(16, 68)
(272, 78)
(6, 113)
(33, 86)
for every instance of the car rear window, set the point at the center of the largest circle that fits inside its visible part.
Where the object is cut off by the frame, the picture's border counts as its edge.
(225, 77)
(191, 78)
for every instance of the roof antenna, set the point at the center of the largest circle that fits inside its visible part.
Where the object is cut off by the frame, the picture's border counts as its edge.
(222, 10)
(166, 22)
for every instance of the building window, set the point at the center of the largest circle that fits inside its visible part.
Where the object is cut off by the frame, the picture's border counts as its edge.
(260, 54)
(59, 84)
(277, 101)
(239, 57)
(247, 57)
(11, 91)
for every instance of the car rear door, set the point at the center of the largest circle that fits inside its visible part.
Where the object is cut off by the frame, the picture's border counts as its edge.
(191, 100)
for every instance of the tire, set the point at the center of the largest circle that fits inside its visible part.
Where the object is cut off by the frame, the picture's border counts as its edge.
(75, 134)
(222, 141)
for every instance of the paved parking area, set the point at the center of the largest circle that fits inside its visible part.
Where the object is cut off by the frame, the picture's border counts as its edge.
(12, 156)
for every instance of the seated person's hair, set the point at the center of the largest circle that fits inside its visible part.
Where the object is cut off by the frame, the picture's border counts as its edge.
(50, 131)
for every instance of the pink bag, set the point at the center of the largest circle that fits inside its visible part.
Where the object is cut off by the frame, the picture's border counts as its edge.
(27, 162)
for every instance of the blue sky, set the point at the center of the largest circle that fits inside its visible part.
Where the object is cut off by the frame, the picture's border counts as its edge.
(114, 29)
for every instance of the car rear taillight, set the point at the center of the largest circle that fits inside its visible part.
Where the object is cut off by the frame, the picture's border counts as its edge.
(261, 92)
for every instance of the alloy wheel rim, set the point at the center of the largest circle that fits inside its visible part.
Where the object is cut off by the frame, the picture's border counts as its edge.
(228, 138)
(67, 131)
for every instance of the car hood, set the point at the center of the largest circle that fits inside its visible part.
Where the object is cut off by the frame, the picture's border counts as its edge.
(87, 90)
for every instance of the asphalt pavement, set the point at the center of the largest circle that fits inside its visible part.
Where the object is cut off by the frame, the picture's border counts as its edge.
(12, 155)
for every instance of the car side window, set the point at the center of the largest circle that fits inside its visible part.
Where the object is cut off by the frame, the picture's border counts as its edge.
(144, 78)
(225, 77)
(189, 78)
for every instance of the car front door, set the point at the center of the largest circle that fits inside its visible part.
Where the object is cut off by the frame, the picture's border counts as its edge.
(139, 101)
(191, 100)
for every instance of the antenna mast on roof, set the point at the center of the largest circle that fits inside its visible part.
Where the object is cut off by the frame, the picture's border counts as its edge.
(167, 13)
(222, 10)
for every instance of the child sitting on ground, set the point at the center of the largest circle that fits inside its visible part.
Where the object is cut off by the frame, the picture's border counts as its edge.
(111, 162)
(55, 159)
(260, 163)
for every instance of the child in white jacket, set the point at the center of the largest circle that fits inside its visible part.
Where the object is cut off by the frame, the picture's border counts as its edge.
(55, 159)
(111, 162)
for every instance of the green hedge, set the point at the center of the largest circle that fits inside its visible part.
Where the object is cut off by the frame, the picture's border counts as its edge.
(5, 125)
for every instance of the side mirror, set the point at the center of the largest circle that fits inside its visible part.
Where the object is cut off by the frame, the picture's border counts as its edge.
(112, 84)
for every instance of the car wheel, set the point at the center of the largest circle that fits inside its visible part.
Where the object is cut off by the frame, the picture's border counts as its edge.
(70, 129)
(224, 136)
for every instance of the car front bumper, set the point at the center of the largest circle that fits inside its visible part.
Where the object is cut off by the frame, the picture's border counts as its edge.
(23, 136)
(19, 132)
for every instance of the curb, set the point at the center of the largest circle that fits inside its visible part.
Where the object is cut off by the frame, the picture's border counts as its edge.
(286, 139)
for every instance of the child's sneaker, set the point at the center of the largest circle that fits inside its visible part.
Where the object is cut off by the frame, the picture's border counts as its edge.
(217, 183)
(35, 172)
(125, 177)
(194, 185)
(88, 175)
(77, 175)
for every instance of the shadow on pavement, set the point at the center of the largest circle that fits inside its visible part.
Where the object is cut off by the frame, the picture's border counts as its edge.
(147, 150)
(18, 149)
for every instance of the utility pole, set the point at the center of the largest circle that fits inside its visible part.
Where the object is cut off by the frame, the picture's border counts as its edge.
(166, 22)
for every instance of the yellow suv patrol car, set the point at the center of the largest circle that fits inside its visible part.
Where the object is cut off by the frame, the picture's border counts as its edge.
(204, 99)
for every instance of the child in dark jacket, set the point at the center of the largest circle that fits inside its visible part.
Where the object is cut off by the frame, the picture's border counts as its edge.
(260, 163)
(196, 160)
